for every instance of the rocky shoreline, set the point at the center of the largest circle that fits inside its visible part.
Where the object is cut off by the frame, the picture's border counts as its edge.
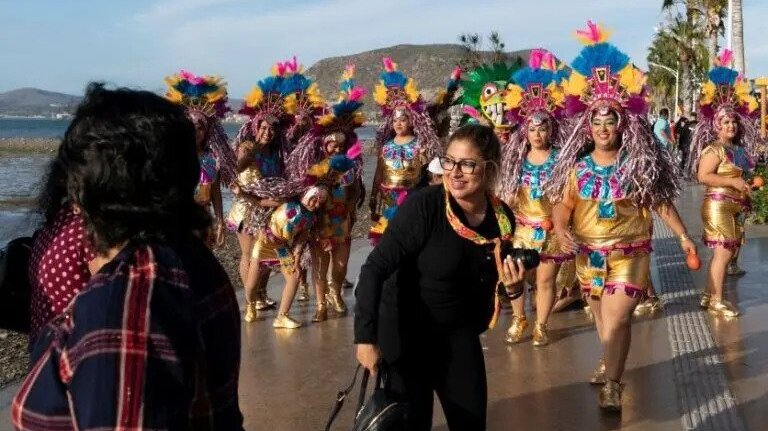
(28, 145)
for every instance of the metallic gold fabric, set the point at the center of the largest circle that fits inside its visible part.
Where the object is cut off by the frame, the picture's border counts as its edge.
(722, 206)
(529, 213)
(629, 273)
(404, 173)
(241, 208)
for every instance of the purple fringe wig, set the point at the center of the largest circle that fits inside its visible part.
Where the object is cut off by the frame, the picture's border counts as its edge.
(225, 156)
(423, 128)
(514, 152)
(653, 175)
(705, 133)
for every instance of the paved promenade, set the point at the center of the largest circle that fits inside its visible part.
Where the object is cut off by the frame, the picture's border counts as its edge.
(686, 370)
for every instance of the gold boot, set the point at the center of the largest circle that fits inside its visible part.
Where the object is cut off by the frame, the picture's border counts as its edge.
(303, 294)
(704, 300)
(516, 329)
(321, 314)
(334, 300)
(723, 308)
(650, 305)
(598, 377)
(540, 334)
(250, 312)
(610, 396)
(284, 321)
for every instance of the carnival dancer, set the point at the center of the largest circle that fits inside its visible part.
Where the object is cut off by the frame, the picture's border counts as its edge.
(724, 148)
(333, 134)
(284, 236)
(535, 102)
(609, 176)
(405, 142)
(303, 102)
(205, 101)
(261, 185)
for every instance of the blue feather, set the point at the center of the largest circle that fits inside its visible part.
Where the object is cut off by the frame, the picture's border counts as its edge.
(341, 163)
(347, 85)
(394, 79)
(345, 107)
(601, 54)
(723, 75)
(527, 76)
(271, 84)
(294, 84)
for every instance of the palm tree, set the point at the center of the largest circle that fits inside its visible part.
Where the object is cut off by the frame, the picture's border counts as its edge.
(680, 43)
(708, 14)
(737, 33)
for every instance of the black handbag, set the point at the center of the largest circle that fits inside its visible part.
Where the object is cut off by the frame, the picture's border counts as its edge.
(15, 291)
(380, 412)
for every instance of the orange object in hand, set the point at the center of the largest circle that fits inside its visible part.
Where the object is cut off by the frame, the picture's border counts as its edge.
(693, 261)
(758, 182)
(546, 225)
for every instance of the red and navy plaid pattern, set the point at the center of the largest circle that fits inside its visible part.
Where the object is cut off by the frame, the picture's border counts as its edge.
(152, 343)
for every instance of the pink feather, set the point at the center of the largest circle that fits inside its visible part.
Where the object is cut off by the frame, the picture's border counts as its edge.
(456, 74)
(350, 70)
(401, 198)
(389, 66)
(592, 33)
(355, 150)
(356, 94)
(536, 57)
(549, 61)
(726, 57)
(472, 112)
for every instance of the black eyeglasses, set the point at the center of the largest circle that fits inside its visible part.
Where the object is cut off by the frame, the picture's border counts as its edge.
(465, 166)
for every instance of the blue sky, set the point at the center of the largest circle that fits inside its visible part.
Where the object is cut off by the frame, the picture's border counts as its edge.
(60, 46)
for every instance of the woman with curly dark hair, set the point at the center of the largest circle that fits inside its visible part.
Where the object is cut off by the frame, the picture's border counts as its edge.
(158, 324)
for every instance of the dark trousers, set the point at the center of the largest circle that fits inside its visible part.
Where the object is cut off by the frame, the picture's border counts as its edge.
(450, 364)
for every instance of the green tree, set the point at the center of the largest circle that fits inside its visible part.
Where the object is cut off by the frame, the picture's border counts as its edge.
(707, 15)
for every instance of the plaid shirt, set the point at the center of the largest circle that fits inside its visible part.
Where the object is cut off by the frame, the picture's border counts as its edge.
(152, 342)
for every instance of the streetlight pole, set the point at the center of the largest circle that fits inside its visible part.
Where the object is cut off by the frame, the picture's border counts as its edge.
(677, 82)
(729, 33)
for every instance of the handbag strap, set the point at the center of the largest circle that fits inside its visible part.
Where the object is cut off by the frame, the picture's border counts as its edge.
(342, 395)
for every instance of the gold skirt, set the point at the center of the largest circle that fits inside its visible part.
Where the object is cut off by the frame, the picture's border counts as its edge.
(270, 253)
(723, 226)
(239, 212)
(616, 271)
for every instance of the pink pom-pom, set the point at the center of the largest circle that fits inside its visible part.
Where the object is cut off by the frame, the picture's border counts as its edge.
(355, 150)
(389, 66)
(456, 74)
(356, 94)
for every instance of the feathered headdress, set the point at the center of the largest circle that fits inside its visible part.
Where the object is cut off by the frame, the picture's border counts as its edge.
(485, 94)
(206, 94)
(396, 92)
(265, 101)
(301, 95)
(725, 92)
(603, 80)
(343, 117)
(535, 94)
(330, 170)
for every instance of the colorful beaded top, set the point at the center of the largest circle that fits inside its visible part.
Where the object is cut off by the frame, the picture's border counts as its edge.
(604, 184)
(534, 176)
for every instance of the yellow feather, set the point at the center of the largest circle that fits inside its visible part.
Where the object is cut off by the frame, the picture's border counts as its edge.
(173, 95)
(752, 104)
(514, 96)
(320, 169)
(411, 91)
(741, 89)
(632, 79)
(556, 93)
(326, 119)
(707, 93)
(314, 96)
(290, 103)
(253, 98)
(172, 80)
(440, 97)
(575, 84)
(380, 94)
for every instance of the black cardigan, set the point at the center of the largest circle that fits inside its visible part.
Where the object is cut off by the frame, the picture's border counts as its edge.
(424, 275)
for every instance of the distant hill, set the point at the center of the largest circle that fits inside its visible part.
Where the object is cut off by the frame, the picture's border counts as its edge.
(34, 101)
(429, 65)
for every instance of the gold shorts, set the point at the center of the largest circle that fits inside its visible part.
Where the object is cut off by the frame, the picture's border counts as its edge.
(269, 253)
(723, 226)
(238, 213)
(545, 243)
(599, 274)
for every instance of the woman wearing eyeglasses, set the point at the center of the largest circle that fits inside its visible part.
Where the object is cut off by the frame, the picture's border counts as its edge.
(527, 161)
(425, 321)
